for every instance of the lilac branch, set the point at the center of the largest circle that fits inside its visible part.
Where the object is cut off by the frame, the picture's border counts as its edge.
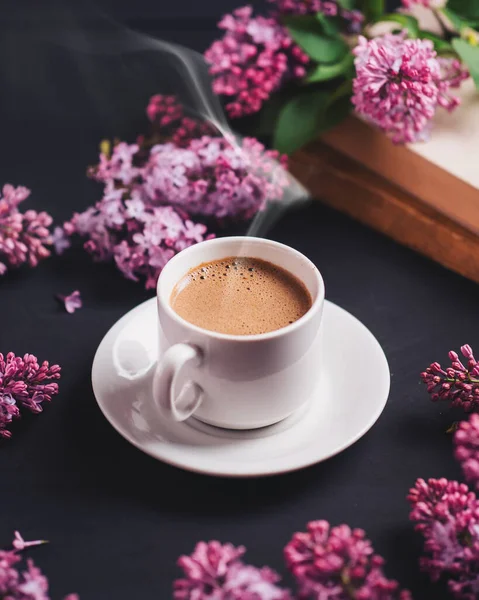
(446, 513)
(24, 386)
(457, 384)
(338, 563)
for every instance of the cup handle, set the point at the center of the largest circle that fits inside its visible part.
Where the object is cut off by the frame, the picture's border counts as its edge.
(172, 404)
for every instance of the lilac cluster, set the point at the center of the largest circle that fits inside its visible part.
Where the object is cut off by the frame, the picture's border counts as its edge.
(215, 177)
(24, 237)
(24, 385)
(254, 59)
(151, 190)
(168, 119)
(143, 218)
(400, 83)
(466, 440)
(446, 513)
(329, 8)
(216, 572)
(28, 584)
(141, 238)
(457, 384)
(338, 563)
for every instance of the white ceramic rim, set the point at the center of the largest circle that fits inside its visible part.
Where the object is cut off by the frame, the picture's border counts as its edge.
(314, 308)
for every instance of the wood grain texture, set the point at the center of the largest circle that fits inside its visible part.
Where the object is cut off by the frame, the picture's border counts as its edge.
(353, 189)
(408, 170)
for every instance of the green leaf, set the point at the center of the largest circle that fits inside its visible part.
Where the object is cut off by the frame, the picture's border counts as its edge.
(372, 9)
(336, 112)
(470, 56)
(309, 33)
(268, 116)
(347, 4)
(466, 8)
(330, 25)
(440, 45)
(299, 120)
(324, 72)
(407, 22)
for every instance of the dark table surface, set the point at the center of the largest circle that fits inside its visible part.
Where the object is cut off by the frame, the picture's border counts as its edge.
(117, 519)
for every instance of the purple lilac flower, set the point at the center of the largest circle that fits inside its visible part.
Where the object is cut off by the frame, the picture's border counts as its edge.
(297, 7)
(164, 110)
(20, 544)
(254, 58)
(118, 166)
(466, 441)
(60, 240)
(353, 18)
(457, 384)
(216, 572)
(338, 563)
(446, 513)
(150, 191)
(452, 71)
(141, 238)
(399, 85)
(71, 302)
(24, 237)
(167, 116)
(24, 384)
(216, 177)
(29, 584)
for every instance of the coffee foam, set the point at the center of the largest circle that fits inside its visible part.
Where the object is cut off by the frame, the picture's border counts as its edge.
(240, 296)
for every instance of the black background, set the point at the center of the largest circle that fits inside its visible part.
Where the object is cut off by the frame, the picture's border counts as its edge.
(116, 518)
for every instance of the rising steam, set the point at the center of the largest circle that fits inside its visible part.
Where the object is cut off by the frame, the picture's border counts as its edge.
(113, 70)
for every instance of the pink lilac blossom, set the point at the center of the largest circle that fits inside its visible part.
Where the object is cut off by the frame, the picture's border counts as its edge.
(215, 177)
(466, 442)
(60, 240)
(140, 238)
(216, 572)
(399, 85)
(167, 116)
(457, 384)
(72, 302)
(452, 71)
(353, 18)
(254, 58)
(297, 7)
(29, 584)
(24, 385)
(211, 176)
(119, 166)
(446, 513)
(150, 191)
(164, 110)
(20, 544)
(24, 237)
(338, 563)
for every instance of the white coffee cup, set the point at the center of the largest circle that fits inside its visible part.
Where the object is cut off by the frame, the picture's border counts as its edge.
(235, 381)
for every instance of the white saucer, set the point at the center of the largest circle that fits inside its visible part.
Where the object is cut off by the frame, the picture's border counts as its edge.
(351, 394)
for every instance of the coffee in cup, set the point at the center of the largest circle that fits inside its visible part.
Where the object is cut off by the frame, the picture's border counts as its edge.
(240, 296)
